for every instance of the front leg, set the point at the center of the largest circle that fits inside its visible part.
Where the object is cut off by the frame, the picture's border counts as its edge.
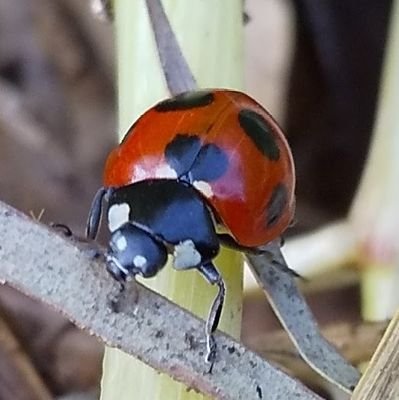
(62, 228)
(228, 241)
(268, 251)
(212, 275)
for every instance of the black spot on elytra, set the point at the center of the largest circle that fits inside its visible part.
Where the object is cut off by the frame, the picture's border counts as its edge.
(210, 164)
(276, 205)
(186, 101)
(259, 131)
(181, 152)
(193, 161)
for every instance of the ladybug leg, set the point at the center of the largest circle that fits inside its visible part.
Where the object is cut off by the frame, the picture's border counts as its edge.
(228, 241)
(62, 228)
(94, 218)
(92, 250)
(114, 298)
(212, 275)
(270, 250)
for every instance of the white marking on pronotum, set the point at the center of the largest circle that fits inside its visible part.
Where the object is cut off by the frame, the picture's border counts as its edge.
(118, 214)
(165, 171)
(204, 187)
(186, 255)
(121, 243)
(139, 261)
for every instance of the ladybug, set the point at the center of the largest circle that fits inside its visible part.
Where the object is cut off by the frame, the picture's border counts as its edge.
(196, 171)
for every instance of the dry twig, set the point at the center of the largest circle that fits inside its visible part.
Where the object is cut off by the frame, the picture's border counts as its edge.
(44, 265)
(381, 379)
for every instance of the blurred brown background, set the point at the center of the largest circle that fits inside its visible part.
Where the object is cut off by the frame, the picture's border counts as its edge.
(314, 65)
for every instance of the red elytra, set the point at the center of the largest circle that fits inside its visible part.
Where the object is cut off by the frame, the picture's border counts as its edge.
(254, 197)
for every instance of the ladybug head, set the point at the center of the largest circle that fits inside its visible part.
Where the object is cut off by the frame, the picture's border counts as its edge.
(133, 251)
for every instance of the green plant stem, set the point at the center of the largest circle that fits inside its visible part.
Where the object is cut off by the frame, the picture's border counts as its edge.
(211, 38)
(375, 212)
